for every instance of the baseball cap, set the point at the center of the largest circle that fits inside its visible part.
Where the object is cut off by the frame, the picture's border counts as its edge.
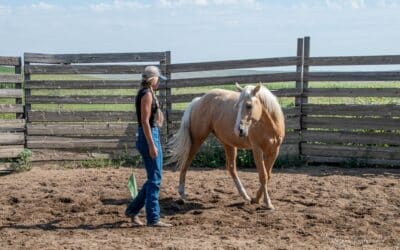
(152, 71)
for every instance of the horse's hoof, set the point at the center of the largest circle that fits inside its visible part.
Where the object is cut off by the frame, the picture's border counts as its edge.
(270, 207)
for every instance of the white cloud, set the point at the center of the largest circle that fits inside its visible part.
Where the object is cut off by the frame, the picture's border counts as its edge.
(4, 10)
(117, 5)
(43, 6)
(178, 3)
(344, 4)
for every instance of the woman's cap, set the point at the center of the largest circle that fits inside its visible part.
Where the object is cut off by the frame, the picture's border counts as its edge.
(152, 71)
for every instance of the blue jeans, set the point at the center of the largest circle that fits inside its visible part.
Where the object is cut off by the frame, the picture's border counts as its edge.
(149, 193)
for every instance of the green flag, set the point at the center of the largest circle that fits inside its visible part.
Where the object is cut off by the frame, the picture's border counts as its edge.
(132, 185)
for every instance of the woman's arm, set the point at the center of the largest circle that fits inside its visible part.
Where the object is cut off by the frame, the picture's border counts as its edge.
(145, 108)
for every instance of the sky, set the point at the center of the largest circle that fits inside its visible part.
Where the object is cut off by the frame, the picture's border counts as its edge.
(201, 30)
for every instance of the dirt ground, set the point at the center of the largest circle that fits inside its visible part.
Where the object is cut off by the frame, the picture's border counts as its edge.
(316, 207)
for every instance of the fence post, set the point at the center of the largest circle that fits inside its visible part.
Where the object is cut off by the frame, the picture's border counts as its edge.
(304, 87)
(168, 106)
(27, 106)
(299, 83)
(18, 86)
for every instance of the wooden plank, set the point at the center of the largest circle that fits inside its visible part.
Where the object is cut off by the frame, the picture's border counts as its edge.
(94, 58)
(189, 97)
(88, 84)
(10, 78)
(233, 64)
(289, 150)
(392, 153)
(79, 155)
(176, 115)
(10, 151)
(350, 137)
(321, 159)
(11, 108)
(12, 138)
(353, 92)
(10, 61)
(11, 93)
(290, 122)
(353, 76)
(80, 116)
(78, 143)
(80, 99)
(85, 129)
(353, 60)
(351, 123)
(84, 69)
(12, 125)
(389, 110)
(230, 80)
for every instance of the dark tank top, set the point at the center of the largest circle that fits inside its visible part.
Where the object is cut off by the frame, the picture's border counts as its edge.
(138, 100)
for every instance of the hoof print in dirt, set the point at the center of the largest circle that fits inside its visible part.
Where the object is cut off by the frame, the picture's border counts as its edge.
(65, 200)
(197, 212)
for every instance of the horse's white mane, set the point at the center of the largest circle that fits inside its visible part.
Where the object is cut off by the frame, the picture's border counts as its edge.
(267, 99)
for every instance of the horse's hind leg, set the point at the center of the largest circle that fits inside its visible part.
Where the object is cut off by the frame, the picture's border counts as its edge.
(231, 153)
(194, 148)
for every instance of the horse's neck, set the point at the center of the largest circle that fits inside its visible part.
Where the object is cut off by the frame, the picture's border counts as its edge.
(269, 121)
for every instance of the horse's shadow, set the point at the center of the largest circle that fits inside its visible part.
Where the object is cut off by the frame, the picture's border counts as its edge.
(168, 206)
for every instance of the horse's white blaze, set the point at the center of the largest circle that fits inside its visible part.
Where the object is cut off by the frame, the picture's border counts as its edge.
(238, 118)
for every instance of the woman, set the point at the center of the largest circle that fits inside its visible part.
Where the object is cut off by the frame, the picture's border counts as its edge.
(148, 144)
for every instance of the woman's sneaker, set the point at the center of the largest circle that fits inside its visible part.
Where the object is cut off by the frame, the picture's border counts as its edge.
(160, 224)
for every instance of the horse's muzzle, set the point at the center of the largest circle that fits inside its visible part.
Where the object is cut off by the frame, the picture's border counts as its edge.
(243, 132)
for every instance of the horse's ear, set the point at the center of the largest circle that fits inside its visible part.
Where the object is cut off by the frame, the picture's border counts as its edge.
(257, 88)
(238, 87)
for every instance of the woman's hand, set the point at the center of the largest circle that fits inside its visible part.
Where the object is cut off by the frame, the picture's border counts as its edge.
(153, 151)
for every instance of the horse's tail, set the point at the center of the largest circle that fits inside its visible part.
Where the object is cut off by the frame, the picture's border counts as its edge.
(180, 143)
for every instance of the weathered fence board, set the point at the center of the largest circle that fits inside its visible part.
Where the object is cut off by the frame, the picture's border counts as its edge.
(233, 64)
(12, 138)
(10, 79)
(11, 93)
(79, 143)
(351, 123)
(353, 92)
(10, 151)
(93, 58)
(352, 60)
(392, 153)
(225, 80)
(83, 84)
(11, 108)
(350, 137)
(84, 69)
(389, 110)
(10, 61)
(80, 99)
(353, 76)
(85, 129)
(79, 155)
(80, 116)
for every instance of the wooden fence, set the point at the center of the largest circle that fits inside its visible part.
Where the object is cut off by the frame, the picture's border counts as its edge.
(12, 124)
(80, 106)
(90, 112)
(366, 133)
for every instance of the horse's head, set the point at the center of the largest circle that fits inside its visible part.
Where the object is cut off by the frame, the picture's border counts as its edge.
(249, 109)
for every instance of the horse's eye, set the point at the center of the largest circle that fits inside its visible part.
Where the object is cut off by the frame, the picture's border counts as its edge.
(249, 106)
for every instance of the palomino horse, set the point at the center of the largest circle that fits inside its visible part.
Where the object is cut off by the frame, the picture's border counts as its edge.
(251, 118)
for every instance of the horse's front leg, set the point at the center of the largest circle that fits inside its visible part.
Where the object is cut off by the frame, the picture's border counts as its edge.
(230, 156)
(263, 176)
